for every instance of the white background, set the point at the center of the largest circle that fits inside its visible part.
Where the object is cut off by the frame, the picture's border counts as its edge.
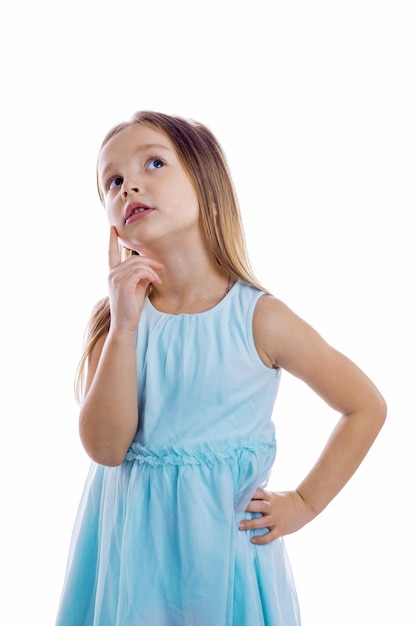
(315, 105)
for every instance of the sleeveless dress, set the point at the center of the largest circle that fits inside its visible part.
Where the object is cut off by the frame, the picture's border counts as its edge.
(156, 539)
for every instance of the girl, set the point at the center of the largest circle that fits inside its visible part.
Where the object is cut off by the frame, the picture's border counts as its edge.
(178, 383)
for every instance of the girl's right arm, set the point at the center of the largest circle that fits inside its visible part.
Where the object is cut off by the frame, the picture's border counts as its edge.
(109, 414)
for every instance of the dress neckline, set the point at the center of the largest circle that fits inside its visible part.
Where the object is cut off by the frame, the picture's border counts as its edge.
(212, 309)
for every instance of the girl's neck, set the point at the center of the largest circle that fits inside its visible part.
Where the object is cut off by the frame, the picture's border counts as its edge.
(191, 289)
(192, 281)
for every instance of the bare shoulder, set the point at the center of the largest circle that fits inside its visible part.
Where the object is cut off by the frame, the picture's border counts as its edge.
(280, 333)
(283, 339)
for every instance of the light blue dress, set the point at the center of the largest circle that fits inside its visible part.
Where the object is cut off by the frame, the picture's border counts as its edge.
(156, 539)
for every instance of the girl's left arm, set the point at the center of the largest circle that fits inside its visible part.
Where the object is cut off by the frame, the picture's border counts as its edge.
(285, 340)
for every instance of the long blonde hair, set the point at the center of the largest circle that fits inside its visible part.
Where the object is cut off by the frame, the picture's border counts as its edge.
(204, 161)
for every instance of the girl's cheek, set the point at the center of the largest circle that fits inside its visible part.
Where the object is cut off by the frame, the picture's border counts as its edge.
(108, 210)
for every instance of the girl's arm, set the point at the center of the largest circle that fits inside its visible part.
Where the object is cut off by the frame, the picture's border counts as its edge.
(109, 414)
(284, 340)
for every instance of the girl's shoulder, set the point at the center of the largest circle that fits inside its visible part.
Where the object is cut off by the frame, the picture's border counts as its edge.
(281, 336)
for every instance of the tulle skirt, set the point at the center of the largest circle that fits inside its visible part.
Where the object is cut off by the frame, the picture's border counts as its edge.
(156, 543)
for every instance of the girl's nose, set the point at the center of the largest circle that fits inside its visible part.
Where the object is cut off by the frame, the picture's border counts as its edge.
(129, 187)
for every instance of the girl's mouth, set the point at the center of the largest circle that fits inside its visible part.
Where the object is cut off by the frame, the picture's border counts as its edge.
(135, 211)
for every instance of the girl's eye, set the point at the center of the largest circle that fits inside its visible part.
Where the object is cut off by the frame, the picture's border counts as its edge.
(154, 164)
(115, 182)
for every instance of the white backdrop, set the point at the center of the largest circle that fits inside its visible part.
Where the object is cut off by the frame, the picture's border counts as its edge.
(314, 103)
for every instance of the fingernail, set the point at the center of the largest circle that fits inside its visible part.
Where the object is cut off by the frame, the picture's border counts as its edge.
(241, 526)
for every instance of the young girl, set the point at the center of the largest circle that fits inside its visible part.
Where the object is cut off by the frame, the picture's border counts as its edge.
(179, 378)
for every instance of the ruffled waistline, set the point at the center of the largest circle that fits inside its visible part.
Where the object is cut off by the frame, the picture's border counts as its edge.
(176, 455)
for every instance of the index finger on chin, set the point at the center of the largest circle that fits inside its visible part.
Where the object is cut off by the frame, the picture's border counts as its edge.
(114, 252)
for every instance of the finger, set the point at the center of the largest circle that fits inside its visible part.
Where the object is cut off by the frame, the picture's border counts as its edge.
(259, 506)
(142, 273)
(264, 521)
(265, 538)
(114, 253)
(135, 265)
(127, 277)
(260, 494)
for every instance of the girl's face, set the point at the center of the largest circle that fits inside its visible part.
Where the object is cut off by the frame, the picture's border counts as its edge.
(147, 194)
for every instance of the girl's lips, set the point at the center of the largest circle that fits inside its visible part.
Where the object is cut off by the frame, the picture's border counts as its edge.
(135, 211)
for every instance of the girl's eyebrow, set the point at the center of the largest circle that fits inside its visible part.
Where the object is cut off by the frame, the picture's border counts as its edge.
(142, 148)
(147, 146)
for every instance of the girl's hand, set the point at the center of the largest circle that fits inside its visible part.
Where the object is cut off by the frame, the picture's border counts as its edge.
(128, 282)
(282, 514)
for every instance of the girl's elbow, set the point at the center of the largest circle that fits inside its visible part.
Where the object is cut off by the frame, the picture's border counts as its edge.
(102, 452)
(383, 411)
(379, 412)
(105, 456)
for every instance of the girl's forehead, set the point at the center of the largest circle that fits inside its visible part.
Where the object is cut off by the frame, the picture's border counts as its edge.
(137, 135)
(132, 140)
